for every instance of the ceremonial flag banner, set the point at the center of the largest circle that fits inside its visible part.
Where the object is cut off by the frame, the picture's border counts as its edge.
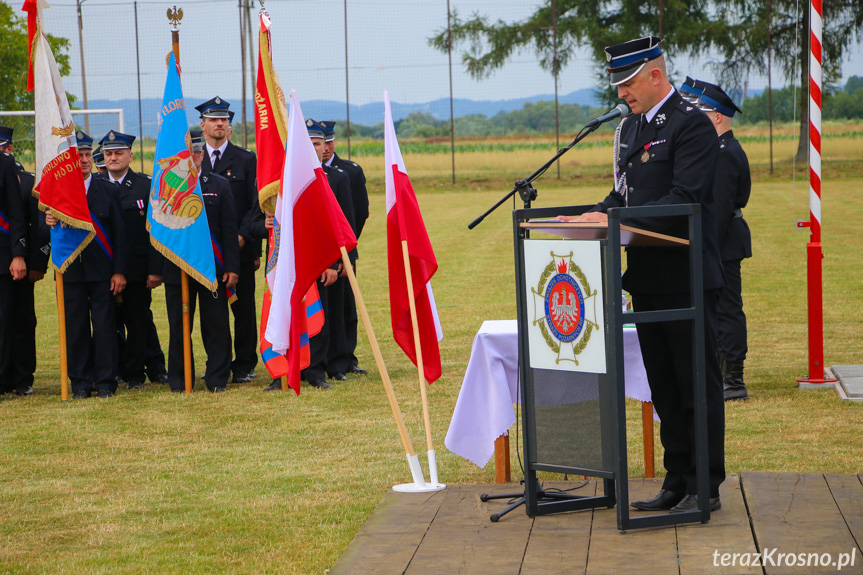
(309, 230)
(405, 223)
(270, 127)
(59, 181)
(176, 217)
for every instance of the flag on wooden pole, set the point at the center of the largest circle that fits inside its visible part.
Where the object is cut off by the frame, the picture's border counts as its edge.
(405, 223)
(309, 231)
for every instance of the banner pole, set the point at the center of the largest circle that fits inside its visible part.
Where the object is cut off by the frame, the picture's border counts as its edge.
(376, 351)
(420, 370)
(61, 324)
(187, 332)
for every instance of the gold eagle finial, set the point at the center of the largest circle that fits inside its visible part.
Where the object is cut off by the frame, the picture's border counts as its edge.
(174, 16)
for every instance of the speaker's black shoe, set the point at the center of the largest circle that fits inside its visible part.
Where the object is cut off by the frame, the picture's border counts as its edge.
(320, 384)
(252, 374)
(219, 389)
(357, 370)
(241, 378)
(81, 395)
(135, 385)
(275, 386)
(690, 503)
(24, 391)
(662, 501)
(161, 378)
(338, 377)
(105, 394)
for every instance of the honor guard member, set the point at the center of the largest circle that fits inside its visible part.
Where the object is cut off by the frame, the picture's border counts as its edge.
(731, 188)
(91, 284)
(13, 253)
(686, 90)
(215, 325)
(361, 213)
(144, 268)
(239, 167)
(38, 238)
(99, 160)
(667, 155)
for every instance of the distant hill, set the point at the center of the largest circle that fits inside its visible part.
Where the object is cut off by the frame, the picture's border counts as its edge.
(366, 114)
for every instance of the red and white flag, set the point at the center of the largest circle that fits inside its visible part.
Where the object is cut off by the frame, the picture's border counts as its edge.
(405, 223)
(310, 230)
(59, 180)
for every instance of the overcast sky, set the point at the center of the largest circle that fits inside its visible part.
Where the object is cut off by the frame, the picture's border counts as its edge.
(387, 49)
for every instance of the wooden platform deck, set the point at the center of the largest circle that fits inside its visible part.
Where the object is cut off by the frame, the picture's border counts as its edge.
(449, 532)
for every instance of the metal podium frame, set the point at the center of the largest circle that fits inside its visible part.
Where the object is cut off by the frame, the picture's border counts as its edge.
(611, 384)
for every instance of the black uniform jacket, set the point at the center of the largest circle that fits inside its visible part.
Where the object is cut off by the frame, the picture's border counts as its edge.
(239, 166)
(38, 234)
(340, 184)
(134, 196)
(731, 190)
(671, 161)
(222, 220)
(94, 264)
(13, 240)
(358, 191)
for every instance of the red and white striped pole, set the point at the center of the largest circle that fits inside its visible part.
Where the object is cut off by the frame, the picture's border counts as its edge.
(813, 248)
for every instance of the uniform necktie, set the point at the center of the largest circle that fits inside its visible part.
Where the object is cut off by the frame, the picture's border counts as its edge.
(217, 155)
(641, 125)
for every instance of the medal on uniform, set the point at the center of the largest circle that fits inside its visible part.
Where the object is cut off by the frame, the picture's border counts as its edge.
(645, 156)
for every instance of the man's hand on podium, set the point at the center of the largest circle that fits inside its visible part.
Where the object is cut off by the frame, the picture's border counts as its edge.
(589, 217)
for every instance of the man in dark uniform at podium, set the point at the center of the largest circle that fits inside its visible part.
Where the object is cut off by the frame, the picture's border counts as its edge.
(91, 284)
(239, 167)
(215, 325)
(13, 251)
(360, 197)
(731, 190)
(144, 270)
(38, 238)
(668, 152)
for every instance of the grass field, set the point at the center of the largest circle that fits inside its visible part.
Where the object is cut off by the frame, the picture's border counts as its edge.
(247, 482)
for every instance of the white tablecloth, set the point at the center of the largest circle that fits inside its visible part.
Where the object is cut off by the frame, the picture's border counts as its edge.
(484, 410)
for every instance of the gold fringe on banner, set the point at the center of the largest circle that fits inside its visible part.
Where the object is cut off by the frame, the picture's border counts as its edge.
(181, 263)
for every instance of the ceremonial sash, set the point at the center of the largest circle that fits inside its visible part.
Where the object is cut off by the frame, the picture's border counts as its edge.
(217, 251)
(102, 237)
(4, 224)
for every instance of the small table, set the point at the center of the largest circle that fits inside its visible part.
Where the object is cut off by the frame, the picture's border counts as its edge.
(484, 410)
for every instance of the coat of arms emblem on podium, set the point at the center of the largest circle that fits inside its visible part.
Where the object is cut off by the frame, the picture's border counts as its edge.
(565, 314)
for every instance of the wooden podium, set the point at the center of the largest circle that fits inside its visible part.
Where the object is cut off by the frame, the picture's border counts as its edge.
(574, 419)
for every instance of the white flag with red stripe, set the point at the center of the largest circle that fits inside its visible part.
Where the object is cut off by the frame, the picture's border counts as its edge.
(309, 231)
(405, 223)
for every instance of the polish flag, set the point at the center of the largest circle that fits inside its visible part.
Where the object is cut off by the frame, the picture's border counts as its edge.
(405, 224)
(309, 230)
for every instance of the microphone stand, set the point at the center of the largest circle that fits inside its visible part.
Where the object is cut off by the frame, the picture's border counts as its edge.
(524, 188)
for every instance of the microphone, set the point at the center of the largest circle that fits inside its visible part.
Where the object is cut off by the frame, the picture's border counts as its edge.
(621, 111)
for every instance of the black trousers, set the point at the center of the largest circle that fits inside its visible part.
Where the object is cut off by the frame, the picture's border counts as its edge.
(338, 355)
(133, 321)
(732, 320)
(667, 349)
(91, 355)
(319, 344)
(245, 321)
(6, 332)
(351, 321)
(154, 358)
(215, 333)
(23, 350)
